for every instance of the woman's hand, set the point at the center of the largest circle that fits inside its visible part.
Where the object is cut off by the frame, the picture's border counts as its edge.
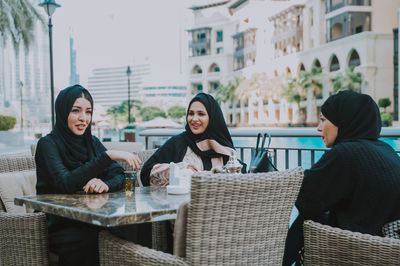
(95, 185)
(132, 159)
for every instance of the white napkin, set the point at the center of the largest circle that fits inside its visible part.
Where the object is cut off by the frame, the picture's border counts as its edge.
(179, 179)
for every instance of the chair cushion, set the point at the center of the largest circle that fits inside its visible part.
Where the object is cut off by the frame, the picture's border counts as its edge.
(15, 184)
(180, 230)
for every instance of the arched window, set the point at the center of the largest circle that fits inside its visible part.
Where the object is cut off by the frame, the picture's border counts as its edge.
(214, 68)
(316, 63)
(300, 68)
(288, 71)
(275, 73)
(354, 59)
(334, 63)
(197, 70)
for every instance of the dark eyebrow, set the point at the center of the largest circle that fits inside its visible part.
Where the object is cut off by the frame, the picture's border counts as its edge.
(74, 106)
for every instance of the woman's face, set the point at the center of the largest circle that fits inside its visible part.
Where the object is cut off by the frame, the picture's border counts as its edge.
(328, 131)
(197, 118)
(80, 116)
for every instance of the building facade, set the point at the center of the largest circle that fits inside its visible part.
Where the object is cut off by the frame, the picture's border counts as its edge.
(163, 96)
(277, 40)
(210, 54)
(109, 86)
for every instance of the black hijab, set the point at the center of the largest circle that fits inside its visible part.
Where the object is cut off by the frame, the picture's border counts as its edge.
(216, 130)
(356, 115)
(75, 150)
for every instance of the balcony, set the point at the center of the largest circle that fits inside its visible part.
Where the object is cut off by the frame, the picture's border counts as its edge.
(332, 5)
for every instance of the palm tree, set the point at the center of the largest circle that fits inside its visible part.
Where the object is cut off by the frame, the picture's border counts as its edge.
(311, 82)
(226, 94)
(293, 93)
(17, 20)
(349, 81)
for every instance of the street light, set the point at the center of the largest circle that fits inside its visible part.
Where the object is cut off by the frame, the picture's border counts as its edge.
(50, 6)
(128, 73)
(21, 85)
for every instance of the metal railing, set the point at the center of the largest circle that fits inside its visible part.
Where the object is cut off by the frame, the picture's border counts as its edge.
(283, 157)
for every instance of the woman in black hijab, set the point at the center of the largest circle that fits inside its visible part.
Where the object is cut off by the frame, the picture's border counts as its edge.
(357, 182)
(205, 143)
(69, 160)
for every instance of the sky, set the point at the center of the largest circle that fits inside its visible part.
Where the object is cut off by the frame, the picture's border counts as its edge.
(120, 32)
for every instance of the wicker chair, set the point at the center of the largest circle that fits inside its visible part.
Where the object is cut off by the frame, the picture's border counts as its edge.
(23, 236)
(231, 219)
(326, 245)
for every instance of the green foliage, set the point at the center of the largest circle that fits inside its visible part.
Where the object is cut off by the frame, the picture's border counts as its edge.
(120, 112)
(387, 119)
(384, 102)
(151, 112)
(176, 111)
(226, 93)
(349, 81)
(7, 122)
(17, 20)
(292, 91)
(311, 80)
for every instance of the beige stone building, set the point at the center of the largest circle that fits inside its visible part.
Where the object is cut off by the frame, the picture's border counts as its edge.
(275, 38)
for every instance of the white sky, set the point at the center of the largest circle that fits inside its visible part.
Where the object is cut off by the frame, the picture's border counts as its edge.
(119, 32)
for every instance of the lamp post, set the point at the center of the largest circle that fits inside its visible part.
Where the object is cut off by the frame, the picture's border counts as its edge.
(128, 73)
(50, 6)
(21, 85)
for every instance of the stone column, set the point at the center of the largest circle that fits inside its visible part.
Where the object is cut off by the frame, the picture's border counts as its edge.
(306, 28)
(283, 111)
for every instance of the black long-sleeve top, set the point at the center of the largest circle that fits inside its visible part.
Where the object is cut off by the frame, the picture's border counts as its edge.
(358, 182)
(54, 177)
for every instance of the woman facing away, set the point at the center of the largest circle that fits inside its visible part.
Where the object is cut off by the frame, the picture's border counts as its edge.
(356, 184)
(69, 160)
(205, 143)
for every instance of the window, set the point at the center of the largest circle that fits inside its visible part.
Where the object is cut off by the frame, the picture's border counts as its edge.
(220, 50)
(220, 36)
(337, 31)
(334, 64)
(354, 59)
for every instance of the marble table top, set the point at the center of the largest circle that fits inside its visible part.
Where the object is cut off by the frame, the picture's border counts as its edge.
(147, 204)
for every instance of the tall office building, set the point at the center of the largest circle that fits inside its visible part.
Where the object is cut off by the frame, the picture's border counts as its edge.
(73, 76)
(109, 86)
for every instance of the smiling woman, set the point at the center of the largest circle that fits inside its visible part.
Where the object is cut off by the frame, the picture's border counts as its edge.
(205, 144)
(69, 160)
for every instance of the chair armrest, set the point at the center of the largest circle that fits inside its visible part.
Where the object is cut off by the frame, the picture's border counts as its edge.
(23, 239)
(115, 251)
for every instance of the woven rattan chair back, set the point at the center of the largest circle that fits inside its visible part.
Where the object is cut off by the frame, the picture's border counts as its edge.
(236, 219)
(326, 245)
(17, 162)
(392, 229)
